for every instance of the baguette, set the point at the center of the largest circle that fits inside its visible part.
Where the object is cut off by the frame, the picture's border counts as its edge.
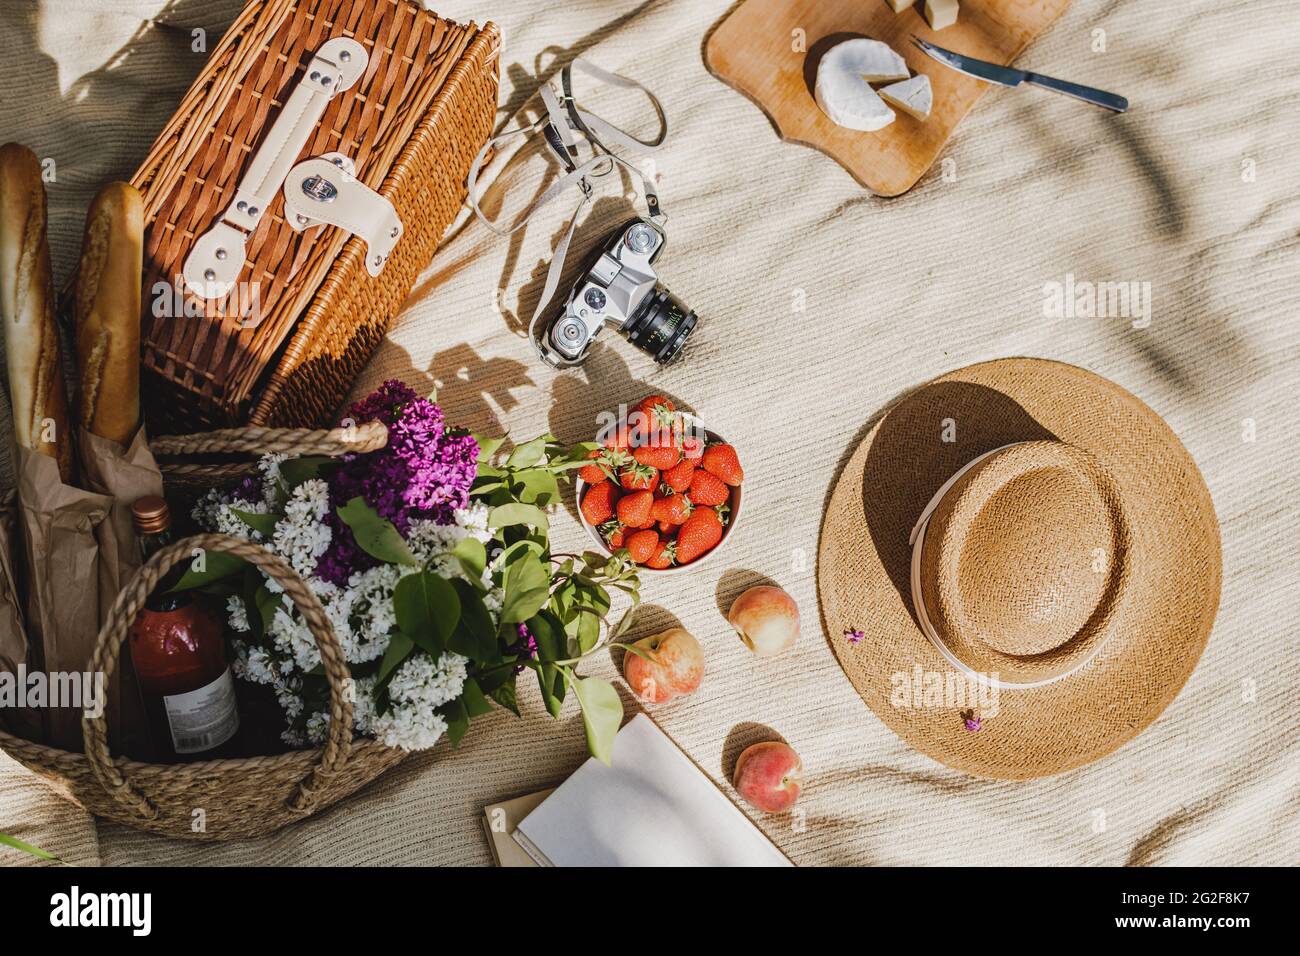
(107, 314)
(37, 399)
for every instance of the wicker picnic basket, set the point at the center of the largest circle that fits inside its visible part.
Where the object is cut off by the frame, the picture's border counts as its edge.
(239, 798)
(411, 124)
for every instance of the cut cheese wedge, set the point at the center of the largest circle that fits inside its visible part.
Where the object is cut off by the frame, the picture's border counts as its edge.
(844, 76)
(898, 6)
(914, 97)
(941, 13)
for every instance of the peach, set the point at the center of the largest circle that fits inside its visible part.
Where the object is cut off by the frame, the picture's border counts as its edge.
(769, 776)
(671, 664)
(767, 620)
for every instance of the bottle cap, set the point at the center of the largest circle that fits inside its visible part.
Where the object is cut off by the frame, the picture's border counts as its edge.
(150, 515)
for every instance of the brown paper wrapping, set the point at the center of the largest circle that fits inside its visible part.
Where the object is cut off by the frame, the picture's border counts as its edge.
(123, 474)
(13, 633)
(60, 554)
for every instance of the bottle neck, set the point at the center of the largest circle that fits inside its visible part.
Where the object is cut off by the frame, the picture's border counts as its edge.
(160, 600)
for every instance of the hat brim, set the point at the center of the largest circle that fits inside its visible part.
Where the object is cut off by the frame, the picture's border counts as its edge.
(1161, 627)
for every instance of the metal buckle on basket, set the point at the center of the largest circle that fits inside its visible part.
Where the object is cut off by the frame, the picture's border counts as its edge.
(325, 191)
(218, 255)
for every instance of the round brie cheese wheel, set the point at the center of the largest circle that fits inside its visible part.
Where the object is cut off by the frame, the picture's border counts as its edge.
(844, 77)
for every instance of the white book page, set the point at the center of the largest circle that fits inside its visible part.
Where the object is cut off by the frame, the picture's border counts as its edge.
(653, 807)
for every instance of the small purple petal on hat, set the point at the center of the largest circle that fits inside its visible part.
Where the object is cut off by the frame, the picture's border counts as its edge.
(973, 723)
(854, 635)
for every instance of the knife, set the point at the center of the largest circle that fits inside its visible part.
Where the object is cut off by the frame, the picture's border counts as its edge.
(1006, 76)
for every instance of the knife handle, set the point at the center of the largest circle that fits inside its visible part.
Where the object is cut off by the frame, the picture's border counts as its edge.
(1110, 101)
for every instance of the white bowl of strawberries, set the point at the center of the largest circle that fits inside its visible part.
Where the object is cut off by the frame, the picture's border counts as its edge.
(662, 487)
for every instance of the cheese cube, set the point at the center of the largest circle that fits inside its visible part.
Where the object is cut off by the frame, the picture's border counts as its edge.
(898, 6)
(941, 13)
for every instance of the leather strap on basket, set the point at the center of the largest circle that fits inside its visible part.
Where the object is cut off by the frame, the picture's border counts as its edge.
(322, 190)
(113, 633)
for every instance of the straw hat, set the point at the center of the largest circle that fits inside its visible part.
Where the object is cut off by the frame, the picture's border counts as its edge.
(1019, 567)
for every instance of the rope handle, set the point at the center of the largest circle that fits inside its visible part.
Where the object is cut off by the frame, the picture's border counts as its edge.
(254, 439)
(116, 627)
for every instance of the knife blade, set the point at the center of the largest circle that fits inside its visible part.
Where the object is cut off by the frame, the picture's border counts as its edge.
(1009, 76)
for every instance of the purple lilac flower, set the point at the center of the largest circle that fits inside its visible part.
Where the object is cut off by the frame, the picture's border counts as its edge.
(424, 472)
(855, 636)
(525, 646)
(249, 490)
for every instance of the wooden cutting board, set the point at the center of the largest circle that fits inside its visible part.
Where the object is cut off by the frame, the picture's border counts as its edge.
(769, 50)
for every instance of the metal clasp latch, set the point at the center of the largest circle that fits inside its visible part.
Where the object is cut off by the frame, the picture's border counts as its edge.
(325, 190)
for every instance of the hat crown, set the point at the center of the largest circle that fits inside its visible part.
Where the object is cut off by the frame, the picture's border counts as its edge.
(1024, 561)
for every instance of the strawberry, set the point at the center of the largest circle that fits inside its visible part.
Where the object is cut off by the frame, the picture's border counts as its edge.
(708, 489)
(607, 462)
(621, 439)
(692, 447)
(701, 532)
(592, 474)
(642, 545)
(678, 477)
(634, 509)
(613, 533)
(721, 460)
(667, 527)
(659, 411)
(663, 557)
(674, 509)
(598, 502)
(639, 477)
(660, 453)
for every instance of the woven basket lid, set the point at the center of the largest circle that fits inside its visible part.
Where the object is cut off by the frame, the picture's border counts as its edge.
(1025, 546)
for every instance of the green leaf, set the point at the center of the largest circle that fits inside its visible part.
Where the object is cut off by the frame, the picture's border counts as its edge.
(516, 513)
(529, 453)
(549, 634)
(472, 556)
(475, 636)
(267, 604)
(537, 486)
(551, 681)
(294, 471)
(457, 720)
(505, 695)
(602, 713)
(17, 844)
(375, 535)
(527, 586)
(262, 524)
(427, 610)
(487, 447)
(476, 702)
(217, 566)
(400, 647)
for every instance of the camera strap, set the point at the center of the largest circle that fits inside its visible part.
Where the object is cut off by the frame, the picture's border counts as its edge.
(563, 126)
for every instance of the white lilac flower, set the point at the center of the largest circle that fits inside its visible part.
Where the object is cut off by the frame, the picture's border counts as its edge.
(269, 466)
(301, 535)
(416, 690)
(238, 614)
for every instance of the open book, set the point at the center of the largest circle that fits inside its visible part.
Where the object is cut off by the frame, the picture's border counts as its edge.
(653, 807)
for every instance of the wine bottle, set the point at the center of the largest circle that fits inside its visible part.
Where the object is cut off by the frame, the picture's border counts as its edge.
(178, 648)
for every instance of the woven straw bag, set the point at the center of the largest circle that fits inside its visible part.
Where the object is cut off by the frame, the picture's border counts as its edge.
(411, 126)
(239, 798)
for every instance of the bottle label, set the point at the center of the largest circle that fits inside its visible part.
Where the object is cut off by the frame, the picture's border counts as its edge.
(203, 718)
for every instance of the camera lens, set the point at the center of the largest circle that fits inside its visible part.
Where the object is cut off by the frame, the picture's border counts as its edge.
(661, 325)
